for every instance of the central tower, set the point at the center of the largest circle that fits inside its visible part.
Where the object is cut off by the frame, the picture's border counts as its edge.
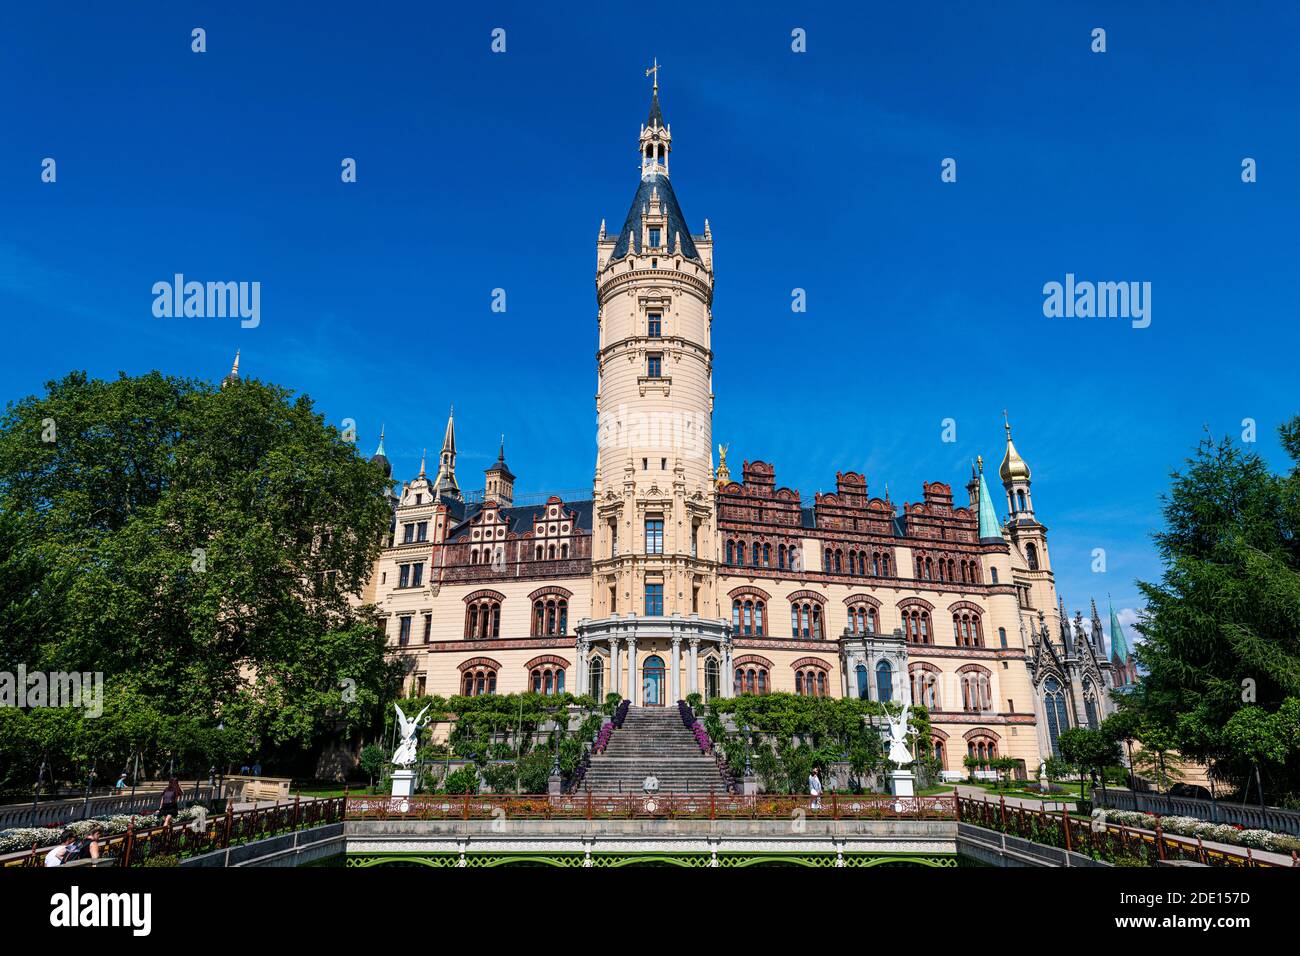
(654, 554)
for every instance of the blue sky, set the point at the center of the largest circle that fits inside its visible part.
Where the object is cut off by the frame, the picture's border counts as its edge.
(818, 171)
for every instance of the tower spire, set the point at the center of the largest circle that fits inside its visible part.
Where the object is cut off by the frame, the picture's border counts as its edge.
(423, 453)
(445, 484)
(233, 376)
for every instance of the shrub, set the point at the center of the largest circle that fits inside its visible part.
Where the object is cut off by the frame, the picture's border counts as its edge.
(464, 780)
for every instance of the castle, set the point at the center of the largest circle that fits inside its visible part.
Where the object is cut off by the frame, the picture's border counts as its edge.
(673, 578)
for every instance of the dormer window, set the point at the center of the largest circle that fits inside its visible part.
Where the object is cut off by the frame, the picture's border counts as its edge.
(655, 236)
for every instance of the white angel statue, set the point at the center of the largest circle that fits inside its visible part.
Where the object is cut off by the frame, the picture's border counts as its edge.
(898, 729)
(405, 754)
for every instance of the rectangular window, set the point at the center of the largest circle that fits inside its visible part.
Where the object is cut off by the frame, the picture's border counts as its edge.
(404, 630)
(417, 574)
(654, 325)
(654, 600)
(654, 237)
(404, 576)
(428, 627)
(408, 533)
(653, 365)
(654, 536)
(422, 531)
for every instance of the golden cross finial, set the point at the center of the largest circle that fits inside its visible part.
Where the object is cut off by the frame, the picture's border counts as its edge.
(654, 70)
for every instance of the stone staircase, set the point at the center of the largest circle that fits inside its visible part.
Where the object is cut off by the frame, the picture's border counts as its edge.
(653, 742)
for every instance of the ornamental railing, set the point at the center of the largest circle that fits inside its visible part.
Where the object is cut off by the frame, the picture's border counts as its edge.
(181, 840)
(1107, 842)
(602, 806)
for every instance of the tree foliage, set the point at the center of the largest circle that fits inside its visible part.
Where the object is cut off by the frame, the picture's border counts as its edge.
(203, 548)
(1221, 648)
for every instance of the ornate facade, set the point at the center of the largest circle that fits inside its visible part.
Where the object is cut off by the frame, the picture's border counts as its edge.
(673, 578)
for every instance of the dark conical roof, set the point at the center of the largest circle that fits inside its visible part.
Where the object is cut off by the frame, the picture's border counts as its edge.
(656, 117)
(630, 236)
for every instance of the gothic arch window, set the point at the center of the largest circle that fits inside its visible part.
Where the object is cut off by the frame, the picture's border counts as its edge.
(596, 678)
(1031, 555)
(1058, 719)
(1090, 704)
(884, 681)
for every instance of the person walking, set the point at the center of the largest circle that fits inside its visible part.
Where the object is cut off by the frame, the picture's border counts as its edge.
(815, 788)
(171, 797)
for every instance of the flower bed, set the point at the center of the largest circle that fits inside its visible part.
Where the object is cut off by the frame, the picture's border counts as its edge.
(22, 838)
(1191, 827)
(701, 737)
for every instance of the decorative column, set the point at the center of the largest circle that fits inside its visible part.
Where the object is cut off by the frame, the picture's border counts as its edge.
(584, 674)
(633, 688)
(728, 672)
(694, 682)
(615, 668)
(674, 678)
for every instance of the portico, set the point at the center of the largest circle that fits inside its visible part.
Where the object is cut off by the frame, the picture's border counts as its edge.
(653, 661)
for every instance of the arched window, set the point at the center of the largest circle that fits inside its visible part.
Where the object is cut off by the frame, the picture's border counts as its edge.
(938, 753)
(550, 617)
(925, 686)
(767, 555)
(884, 681)
(861, 673)
(731, 552)
(754, 552)
(1058, 719)
(596, 678)
(806, 620)
(984, 749)
(483, 618)
(966, 629)
(976, 691)
(916, 625)
(780, 556)
(993, 574)
(479, 679)
(712, 684)
(1090, 704)
(1020, 500)
(810, 681)
(547, 679)
(1031, 555)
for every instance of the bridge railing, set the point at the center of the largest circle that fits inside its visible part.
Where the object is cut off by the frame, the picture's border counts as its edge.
(136, 847)
(1110, 842)
(701, 806)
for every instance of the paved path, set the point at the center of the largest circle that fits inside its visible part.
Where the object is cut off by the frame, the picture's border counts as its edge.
(1029, 803)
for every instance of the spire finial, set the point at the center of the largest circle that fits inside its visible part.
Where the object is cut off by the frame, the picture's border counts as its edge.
(423, 454)
(1006, 422)
(501, 456)
(979, 460)
(380, 449)
(654, 71)
(234, 369)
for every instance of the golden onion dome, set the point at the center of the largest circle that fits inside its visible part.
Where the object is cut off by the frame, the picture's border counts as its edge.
(1013, 467)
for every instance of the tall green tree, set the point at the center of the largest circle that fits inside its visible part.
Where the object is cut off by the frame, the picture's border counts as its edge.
(203, 547)
(1222, 629)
